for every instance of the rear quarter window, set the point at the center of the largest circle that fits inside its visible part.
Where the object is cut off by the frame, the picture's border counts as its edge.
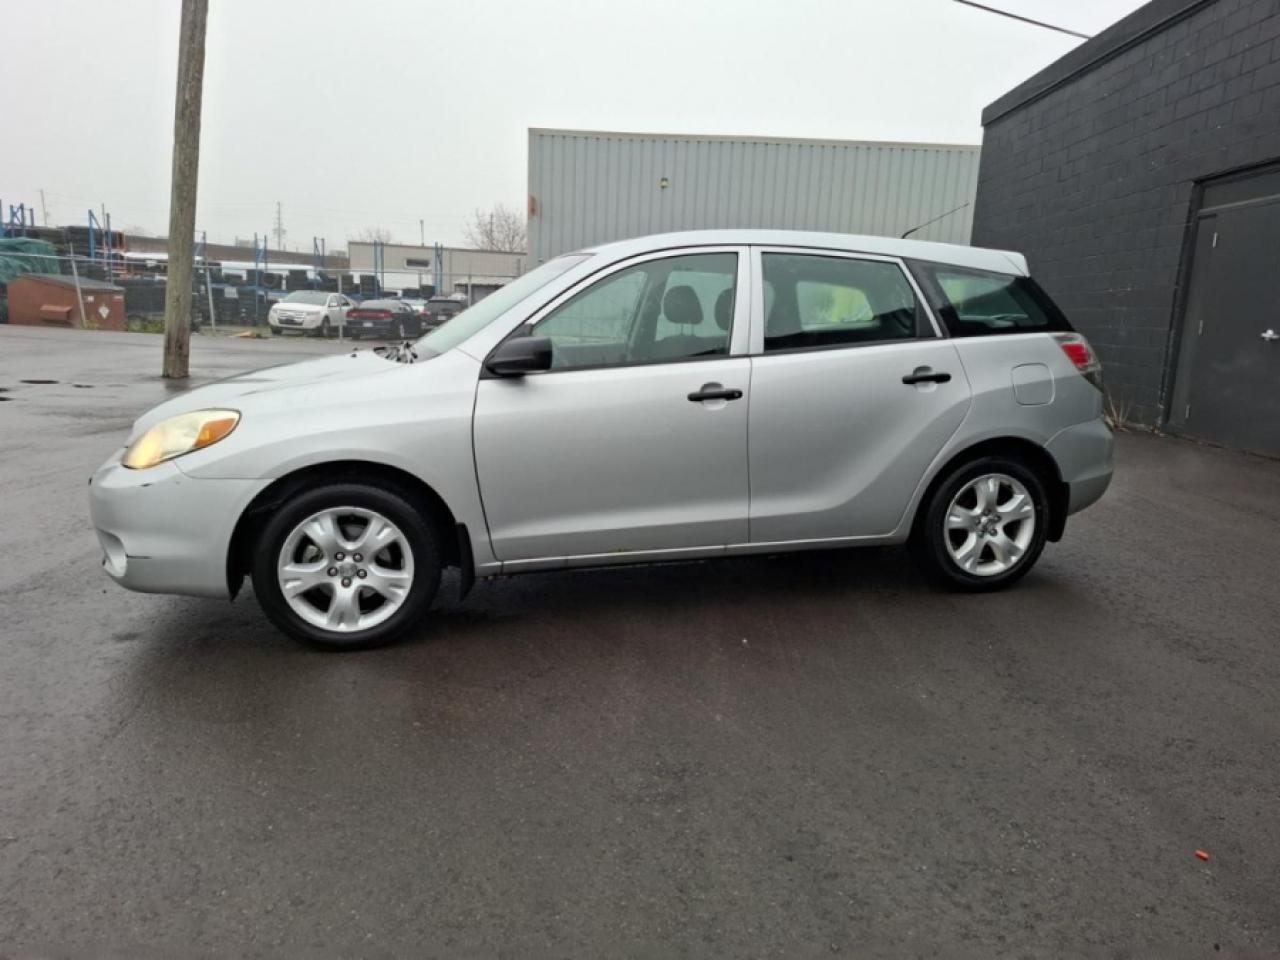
(982, 303)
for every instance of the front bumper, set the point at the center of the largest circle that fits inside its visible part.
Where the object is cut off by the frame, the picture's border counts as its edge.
(162, 531)
(1085, 457)
(310, 322)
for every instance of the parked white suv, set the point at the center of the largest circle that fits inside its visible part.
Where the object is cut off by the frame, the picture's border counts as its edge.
(677, 397)
(310, 311)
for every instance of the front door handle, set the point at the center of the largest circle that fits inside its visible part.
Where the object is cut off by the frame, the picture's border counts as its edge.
(1270, 335)
(715, 392)
(926, 375)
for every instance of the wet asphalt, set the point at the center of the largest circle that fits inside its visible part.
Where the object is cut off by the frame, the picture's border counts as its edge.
(761, 756)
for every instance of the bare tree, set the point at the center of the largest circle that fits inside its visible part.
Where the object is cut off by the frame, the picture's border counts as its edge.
(373, 235)
(500, 228)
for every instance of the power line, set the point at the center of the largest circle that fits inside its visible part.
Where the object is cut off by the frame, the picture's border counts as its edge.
(1014, 16)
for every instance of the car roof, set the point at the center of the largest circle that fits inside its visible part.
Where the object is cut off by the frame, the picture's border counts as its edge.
(978, 258)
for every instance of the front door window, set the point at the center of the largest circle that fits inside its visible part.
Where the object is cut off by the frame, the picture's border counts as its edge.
(665, 310)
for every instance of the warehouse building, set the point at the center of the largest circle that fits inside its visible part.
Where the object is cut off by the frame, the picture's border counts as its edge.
(1140, 174)
(592, 187)
(463, 272)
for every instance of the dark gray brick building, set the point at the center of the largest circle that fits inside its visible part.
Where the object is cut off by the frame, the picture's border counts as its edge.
(1122, 171)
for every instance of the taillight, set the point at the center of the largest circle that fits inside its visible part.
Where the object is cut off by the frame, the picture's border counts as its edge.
(1082, 356)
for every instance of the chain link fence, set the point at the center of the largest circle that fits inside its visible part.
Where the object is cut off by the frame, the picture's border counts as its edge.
(126, 291)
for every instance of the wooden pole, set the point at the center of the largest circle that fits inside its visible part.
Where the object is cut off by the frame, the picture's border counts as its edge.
(182, 196)
(75, 276)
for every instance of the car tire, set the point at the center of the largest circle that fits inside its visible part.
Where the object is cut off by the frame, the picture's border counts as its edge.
(975, 532)
(400, 330)
(324, 331)
(310, 583)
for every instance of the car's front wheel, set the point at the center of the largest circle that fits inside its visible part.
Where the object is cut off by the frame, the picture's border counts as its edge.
(346, 566)
(985, 525)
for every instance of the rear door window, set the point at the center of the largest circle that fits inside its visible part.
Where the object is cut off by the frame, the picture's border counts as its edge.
(979, 303)
(820, 302)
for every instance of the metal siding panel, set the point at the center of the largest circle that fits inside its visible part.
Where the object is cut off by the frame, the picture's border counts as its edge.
(852, 183)
(597, 187)
(939, 203)
(948, 197)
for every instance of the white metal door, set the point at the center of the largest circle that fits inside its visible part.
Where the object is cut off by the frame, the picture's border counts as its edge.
(616, 456)
(842, 432)
(839, 443)
(612, 461)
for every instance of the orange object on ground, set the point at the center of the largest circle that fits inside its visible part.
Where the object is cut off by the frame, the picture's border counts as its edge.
(1202, 854)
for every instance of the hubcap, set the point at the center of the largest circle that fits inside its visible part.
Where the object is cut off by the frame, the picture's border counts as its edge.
(990, 524)
(345, 569)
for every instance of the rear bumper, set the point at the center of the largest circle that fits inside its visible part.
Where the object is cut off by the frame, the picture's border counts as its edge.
(164, 532)
(1085, 457)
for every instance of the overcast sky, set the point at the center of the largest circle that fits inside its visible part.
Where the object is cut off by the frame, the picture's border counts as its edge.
(383, 112)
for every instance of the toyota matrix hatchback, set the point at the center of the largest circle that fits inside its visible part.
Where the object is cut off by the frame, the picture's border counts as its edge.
(676, 397)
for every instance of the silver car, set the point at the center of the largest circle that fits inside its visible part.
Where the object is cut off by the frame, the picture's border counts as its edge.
(676, 397)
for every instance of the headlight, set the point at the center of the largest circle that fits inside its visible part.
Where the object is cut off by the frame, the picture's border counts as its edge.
(178, 435)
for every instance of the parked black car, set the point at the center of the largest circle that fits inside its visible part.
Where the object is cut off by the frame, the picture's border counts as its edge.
(441, 309)
(385, 319)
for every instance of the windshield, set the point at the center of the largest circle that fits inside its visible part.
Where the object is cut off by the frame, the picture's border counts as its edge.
(476, 318)
(306, 296)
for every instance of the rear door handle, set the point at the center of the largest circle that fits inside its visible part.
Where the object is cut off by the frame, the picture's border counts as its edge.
(710, 392)
(926, 375)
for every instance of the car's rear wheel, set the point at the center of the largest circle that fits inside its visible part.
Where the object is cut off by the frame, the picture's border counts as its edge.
(346, 566)
(984, 525)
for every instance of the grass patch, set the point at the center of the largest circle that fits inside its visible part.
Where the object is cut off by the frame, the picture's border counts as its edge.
(1118, 412)
(144, 323)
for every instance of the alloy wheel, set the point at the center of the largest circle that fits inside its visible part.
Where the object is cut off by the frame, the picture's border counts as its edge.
(990, 525)
(345, 569)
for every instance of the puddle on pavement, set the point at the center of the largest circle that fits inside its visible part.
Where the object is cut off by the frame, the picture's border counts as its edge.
(38, 381)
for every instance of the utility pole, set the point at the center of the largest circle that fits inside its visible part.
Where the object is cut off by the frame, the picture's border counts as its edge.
(279, 229)
(44, 211)
(422, 229)
(182, 193)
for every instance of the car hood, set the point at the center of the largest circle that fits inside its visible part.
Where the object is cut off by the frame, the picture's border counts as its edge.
(288, 383)
(299, 307)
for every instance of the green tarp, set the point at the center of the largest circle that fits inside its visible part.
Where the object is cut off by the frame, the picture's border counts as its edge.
(19, 255)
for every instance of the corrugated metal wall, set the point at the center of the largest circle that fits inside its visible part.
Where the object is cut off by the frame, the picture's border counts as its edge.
(593, 187)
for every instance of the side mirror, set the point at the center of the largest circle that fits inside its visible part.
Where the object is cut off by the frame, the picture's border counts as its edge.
(515, 358)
